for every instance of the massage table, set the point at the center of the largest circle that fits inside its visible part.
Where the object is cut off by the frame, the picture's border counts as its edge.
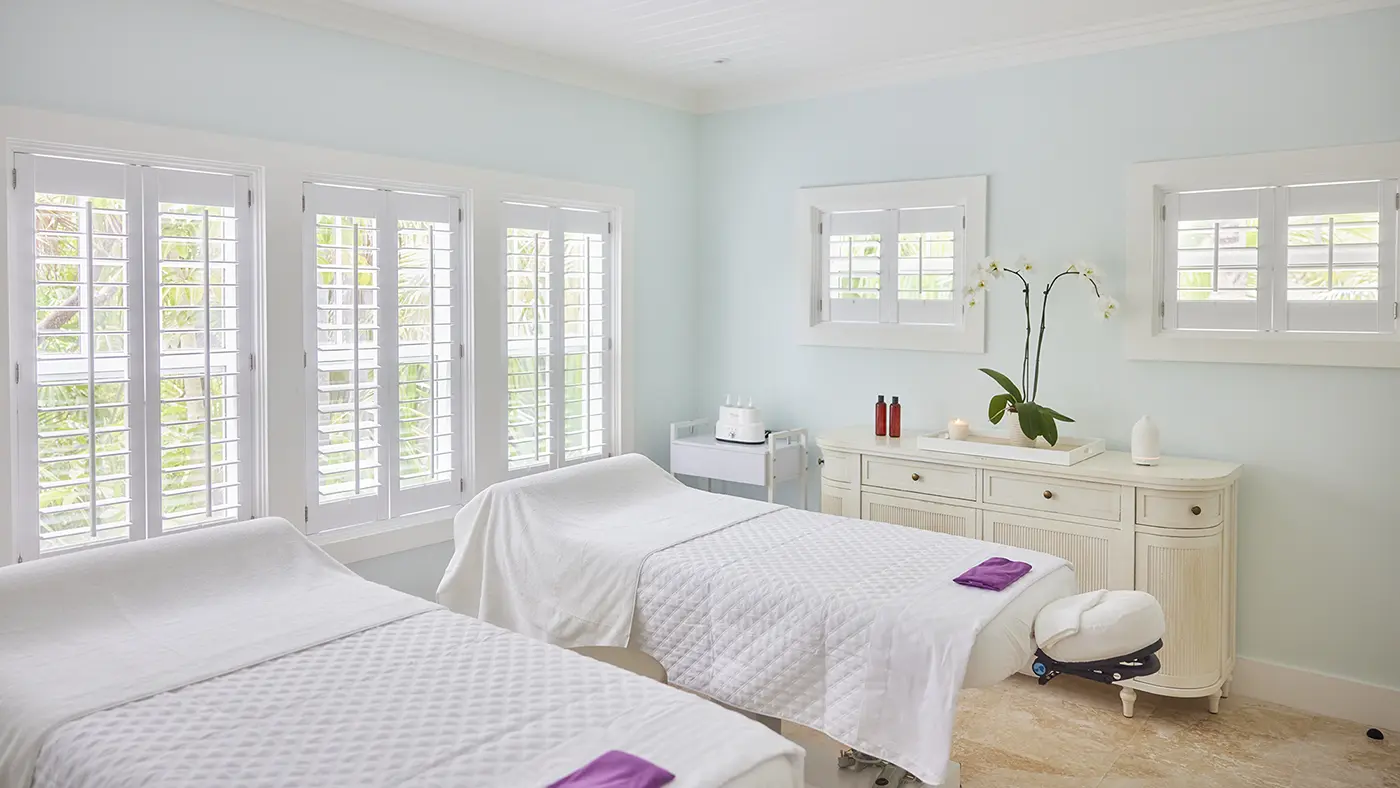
(242, 655)
(850, 627)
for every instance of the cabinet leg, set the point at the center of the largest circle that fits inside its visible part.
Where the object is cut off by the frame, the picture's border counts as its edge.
(1214, 701)
(1225, 688)
(1129, 696)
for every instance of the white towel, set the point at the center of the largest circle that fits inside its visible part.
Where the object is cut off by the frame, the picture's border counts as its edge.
(557, 556)
(1061, 619)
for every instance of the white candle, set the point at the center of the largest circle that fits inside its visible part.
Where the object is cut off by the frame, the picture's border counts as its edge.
(958, 430)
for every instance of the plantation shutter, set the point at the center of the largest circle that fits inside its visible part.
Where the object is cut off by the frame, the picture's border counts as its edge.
(558, 343)
(199, 248)
(854, 247)
(1216, 244)
(930, 249)
(78, 283)
(386, 341)
(1339, 270)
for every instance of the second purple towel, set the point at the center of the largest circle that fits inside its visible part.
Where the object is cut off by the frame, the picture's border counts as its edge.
(993, 574)
(616, 769)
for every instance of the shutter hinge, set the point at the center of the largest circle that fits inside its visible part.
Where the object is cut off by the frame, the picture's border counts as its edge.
(609, 228)
(964, 222)
(303, 203)
(1162, 309)
(17, 373)
(609, 343)
(14, 177)
(252, 362)
(250, 198)
(820, 225)
(462, 485)
(461, 215)
(306, 514)
(461, 350)
(1164, 213)
(303, 359)
(1397, 201)
(1396, 316)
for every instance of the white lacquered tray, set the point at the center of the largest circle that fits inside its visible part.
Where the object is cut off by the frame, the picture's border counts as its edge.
(1066, 451)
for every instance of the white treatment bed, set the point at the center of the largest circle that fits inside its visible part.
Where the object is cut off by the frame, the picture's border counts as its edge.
(850, 627)
(243, 656)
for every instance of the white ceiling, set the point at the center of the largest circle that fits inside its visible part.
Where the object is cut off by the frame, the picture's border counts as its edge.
(665, 50)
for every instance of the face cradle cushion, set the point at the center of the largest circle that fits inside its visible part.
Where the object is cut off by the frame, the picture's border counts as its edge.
(1104, 636)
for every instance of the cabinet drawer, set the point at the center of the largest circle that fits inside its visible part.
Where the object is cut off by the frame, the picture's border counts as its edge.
(923, 515)
(1048, 494)
(836, 466)
(920, 477)
(1180, 509)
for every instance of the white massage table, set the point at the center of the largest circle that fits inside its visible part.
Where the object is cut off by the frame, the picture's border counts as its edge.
(346, 683)
(850, 627)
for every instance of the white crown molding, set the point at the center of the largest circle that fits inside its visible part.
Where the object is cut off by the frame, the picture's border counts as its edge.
(367, 23)
(1160, 28)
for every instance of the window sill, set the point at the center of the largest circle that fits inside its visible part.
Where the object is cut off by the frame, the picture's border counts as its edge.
(373, 540)
(968, 338)
(1342, 351)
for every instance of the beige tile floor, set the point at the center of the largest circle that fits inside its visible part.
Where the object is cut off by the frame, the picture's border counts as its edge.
(1072, 734)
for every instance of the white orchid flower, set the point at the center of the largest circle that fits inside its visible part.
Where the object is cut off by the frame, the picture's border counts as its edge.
(1106, 306)
(1022, 264)
(991, 266)
(1086, 270)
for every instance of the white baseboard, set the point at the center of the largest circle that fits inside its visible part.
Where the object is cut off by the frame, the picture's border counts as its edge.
(1369, 704)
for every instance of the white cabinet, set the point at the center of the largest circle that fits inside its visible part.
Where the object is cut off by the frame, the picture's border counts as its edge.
(1168, 530)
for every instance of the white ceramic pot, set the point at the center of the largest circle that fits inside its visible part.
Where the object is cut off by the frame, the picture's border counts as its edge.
(1011, 420)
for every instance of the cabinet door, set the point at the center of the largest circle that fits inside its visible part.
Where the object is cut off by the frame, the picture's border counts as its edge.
(1185, 574)
(924, 515)
(840, 499)
(1090, 548)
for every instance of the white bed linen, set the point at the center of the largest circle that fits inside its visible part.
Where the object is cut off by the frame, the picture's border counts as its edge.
(557, 556)
(434, 700)
(777, 616)
(85, 632)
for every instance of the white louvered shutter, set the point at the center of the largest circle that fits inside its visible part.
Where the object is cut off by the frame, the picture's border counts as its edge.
(1340, 262)
(79, 435)
(558, 343)
(385, 353)
(199, 248)
(1216, 245)
(930, 254)
(854, 246)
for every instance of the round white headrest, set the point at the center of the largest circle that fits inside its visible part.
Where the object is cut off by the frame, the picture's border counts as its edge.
(1099, 625)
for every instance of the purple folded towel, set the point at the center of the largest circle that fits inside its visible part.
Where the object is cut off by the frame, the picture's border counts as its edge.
(616, 769)
(993, 574)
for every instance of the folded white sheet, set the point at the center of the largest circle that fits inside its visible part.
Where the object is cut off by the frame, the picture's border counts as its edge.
(557, 556)
(96, 629)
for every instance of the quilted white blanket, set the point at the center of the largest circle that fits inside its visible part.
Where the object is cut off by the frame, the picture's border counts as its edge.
(93, 630)
(557, 556)
(850, 627)
(433, 701)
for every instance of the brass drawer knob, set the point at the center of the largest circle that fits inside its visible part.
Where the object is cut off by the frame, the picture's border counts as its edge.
(915, 476)
(821, 461)
(1195, 510)
(1048, 495)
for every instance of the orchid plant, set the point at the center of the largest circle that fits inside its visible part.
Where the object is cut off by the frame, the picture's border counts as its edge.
(1034, 419)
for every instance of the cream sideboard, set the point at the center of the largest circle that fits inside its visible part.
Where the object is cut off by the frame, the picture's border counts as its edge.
(1168, 530)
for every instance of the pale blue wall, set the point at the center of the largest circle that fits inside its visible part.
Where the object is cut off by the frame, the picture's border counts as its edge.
(1319, 568)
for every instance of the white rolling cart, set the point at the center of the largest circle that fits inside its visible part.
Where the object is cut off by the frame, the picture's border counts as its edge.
(696, 452)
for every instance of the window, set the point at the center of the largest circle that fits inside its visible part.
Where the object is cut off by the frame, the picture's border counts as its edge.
(884, 263)
(1286, 258)
(1292, 259)
(134, 341)
(386, 353)
(558, 335)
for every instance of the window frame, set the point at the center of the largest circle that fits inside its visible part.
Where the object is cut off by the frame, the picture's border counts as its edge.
(383, 509)
(967, 335)
(23, 358)
(1149, 334)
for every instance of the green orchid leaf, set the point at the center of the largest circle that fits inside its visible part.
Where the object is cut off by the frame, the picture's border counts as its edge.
(997, 407)
(1057, 414)
(1006, 384)
(1048, 428)
(1029, 414)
